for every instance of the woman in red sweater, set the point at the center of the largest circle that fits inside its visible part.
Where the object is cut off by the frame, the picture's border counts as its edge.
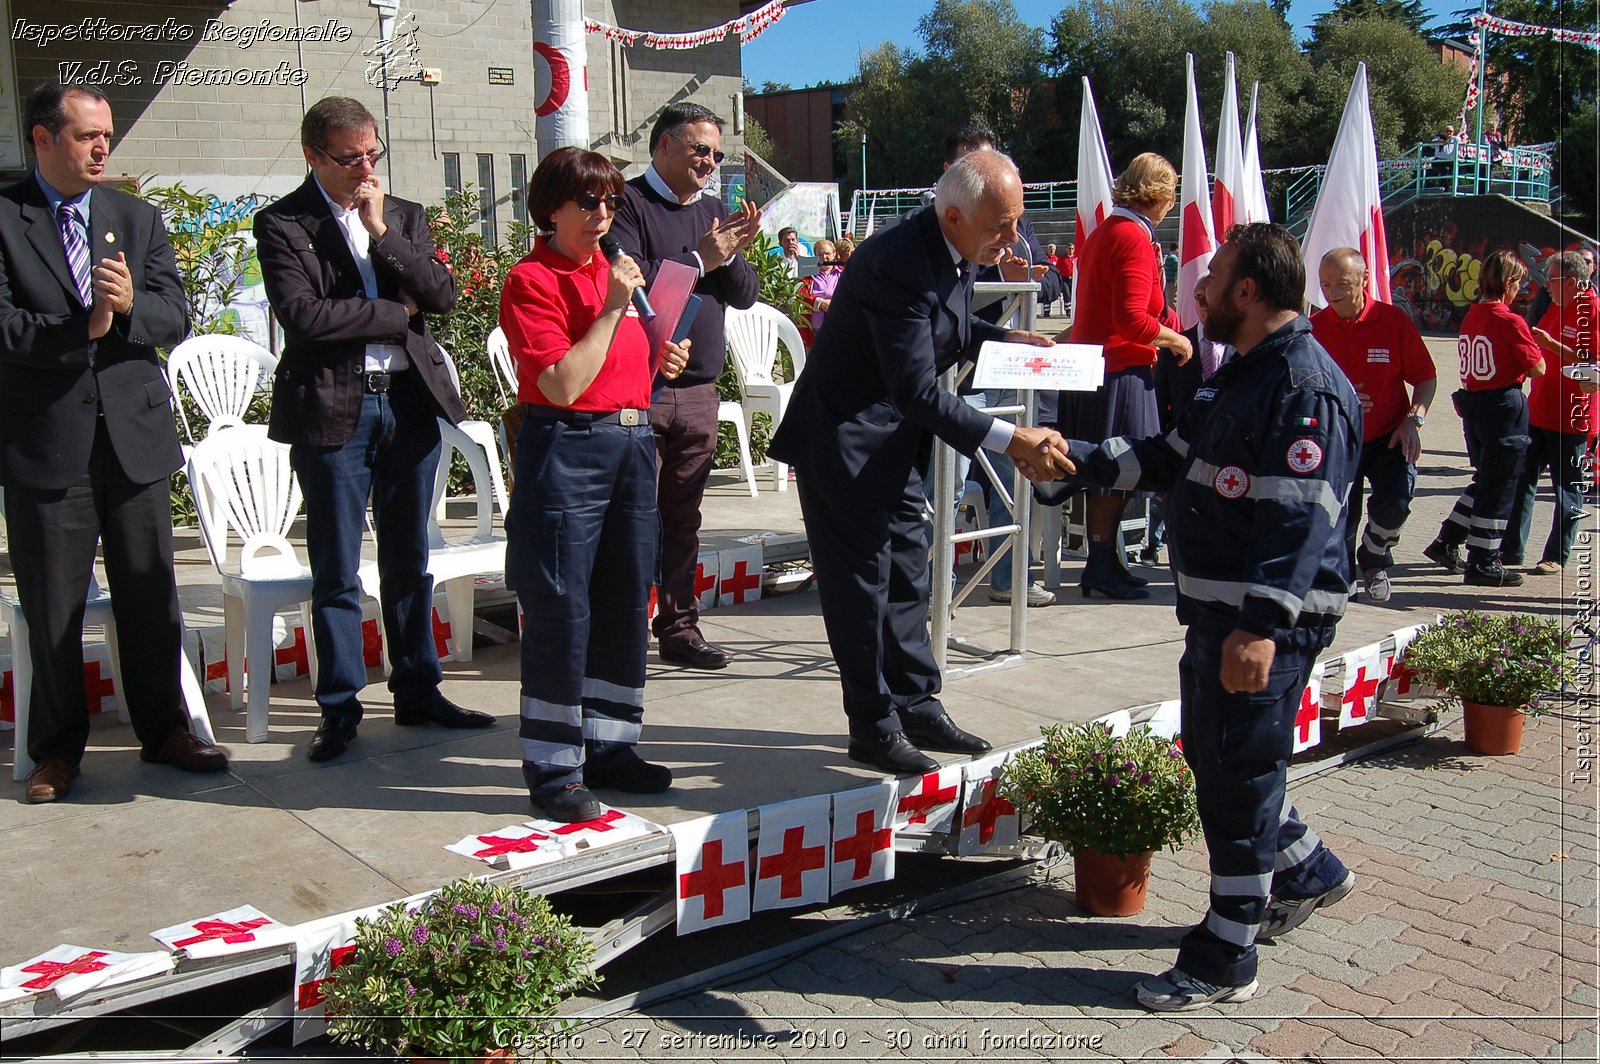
(1122, 306)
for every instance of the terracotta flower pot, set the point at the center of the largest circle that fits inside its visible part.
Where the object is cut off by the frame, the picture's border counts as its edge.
(1492, 729)
(1109, 884)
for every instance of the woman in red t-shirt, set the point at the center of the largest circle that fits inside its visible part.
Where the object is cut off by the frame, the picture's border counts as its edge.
(581, 528)
(1498, 352)
(1124, 309)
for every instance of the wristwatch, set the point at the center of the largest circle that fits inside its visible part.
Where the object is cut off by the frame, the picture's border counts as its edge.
(1417, 419)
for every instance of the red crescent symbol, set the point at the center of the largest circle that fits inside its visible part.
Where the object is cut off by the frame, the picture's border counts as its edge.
(560, 79)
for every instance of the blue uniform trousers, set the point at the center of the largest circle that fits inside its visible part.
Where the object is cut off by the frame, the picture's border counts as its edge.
(582, 549)
(1495, 424)
(1238, 746)
(1563, 454)
(1394, 481)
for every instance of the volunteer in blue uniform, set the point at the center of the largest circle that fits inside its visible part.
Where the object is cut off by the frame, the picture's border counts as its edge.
(1257, 473)
(582, 526)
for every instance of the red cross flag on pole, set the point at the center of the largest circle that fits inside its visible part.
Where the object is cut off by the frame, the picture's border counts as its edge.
(1227, 195)
(1308, 715)
(1094, 177)
(238, 930)
(67, 971)
(713, 870)
(1197, 241)
(863, 836)
(515, 846)
(927, 804)
(1364, 672)
(988, 821)
(792, 851)
(1349, 208)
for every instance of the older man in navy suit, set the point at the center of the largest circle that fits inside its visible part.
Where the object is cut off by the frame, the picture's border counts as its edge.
(859, 433)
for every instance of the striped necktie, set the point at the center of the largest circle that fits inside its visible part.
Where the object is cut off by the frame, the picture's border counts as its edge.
(77, 247)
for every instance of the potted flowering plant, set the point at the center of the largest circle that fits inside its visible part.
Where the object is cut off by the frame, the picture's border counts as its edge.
(1111, 800)
(475, 971)
(1497, 664)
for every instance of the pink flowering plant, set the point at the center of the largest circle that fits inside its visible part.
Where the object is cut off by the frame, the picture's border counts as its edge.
(1092, 790)
(1496, 659)
(476, 967)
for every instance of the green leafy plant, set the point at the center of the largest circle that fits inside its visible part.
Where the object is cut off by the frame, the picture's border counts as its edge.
(1497, 659)
(214, 256)
(475, 967)
(1091, 790)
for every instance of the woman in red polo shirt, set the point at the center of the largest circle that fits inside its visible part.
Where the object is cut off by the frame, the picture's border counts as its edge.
(1498, 353)
(1122, 306)
(582, 526)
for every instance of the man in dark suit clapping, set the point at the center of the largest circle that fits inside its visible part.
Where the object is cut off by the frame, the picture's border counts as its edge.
(859, 433)
(349, 272)
(88, 292)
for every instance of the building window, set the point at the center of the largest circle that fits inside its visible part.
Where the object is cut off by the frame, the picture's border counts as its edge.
(452, 174)
(519, 195)
(486, 198)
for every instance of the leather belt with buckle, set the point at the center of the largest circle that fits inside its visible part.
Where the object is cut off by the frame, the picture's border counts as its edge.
(379, 382)
(627, 417)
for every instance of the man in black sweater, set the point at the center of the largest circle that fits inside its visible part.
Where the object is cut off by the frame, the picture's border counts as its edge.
(665, 215)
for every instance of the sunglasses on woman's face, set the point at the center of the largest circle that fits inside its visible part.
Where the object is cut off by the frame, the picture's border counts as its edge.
(588, 201)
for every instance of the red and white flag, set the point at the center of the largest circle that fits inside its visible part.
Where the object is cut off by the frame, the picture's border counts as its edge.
(1227, 194)
(1349, 209)
(514, 846)
(1094, 177)
(609, 828)
(320, 946)
(927, 804)
(792, 850)
(863, 836)
(238, 930)
(1403, 684)
(1364, 672)
(68, 971)
(1197, 241)
(713, 870)
(1254, 197)
(1308, 717)
(738, 575)
(988, 820)
(706, 578)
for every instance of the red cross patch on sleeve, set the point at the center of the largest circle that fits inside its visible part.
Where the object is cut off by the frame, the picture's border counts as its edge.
(1305, 455)
(1231, 482)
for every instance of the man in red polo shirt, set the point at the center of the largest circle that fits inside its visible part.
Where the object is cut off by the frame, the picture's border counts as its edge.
(1380, 351)
(1562, 417)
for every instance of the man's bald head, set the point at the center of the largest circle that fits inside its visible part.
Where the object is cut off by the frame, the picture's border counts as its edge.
(1342, 273)
(1344, 257)
(978, 202)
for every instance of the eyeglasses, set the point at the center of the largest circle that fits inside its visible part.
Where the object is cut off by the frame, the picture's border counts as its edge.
(589, 202)
(350, 162)
(700, 150)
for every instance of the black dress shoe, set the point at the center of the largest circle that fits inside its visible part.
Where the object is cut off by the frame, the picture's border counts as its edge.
(333, 735)
(572, 804)
(626, 771)
(437, 709)
(941, 733)
(693, 651)
(1115, 588)
(892, 753)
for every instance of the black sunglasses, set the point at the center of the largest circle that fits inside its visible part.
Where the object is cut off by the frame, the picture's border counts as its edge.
(700, 150)
(375, 156)
(588, 201)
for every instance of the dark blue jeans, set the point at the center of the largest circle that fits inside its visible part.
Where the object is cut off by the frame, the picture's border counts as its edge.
(1394, 482)
(1562, 454)
(392, 459)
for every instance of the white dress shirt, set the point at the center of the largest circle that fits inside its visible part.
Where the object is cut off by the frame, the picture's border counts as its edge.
(380, 358)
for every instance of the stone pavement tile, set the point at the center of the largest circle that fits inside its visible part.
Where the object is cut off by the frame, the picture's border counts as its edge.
(1582, 1043)
(1335, 997)
(1531, 1036)
(1361, 1031)
(1140, 1037)
(1575, 943)
(1449, 948)
(1188, 1045)
(1225, 1026)
(1295, 1040)
(1540, 990)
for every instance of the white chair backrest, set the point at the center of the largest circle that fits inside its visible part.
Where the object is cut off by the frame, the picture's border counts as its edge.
(753, 336)
(246, 480)
(450, 364)
(482, 483)
(505, 368)
(222, 374)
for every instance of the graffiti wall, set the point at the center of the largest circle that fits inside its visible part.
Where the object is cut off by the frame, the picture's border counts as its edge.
(1437, 247)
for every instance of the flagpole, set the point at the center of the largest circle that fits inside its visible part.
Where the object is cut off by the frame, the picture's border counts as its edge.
(1483, 58)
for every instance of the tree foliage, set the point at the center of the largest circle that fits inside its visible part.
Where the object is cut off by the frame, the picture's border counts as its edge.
(1407, 13)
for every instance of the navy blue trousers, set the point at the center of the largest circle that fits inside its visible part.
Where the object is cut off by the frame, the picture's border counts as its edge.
(1496, 427)
(581, 556)
(1394, 482)
(1238, 746)
(1563, 454)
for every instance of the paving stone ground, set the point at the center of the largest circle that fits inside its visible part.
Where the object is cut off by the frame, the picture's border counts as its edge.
(1471, 936)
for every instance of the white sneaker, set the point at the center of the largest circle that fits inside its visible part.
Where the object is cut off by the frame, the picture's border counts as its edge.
(1038, 595)
(1177, 991)
(1375, 582)
(1285, 914)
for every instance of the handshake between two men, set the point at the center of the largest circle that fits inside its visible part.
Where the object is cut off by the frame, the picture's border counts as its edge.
(1040, 453)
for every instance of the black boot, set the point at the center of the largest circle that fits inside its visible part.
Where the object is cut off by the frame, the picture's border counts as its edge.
(1100, 573)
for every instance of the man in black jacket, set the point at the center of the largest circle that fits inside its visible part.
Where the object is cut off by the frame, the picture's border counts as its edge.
(350, 272)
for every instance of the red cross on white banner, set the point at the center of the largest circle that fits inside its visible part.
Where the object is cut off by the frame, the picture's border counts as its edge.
(863, 836)
(441, 635)
(238, 930)
(739, 572)
(67, 971)
(1363, 674)
(515, 846)
(705, 580)
(1403, 684)
(47, 973)
(928, 803)
(320, 946)
(988, 820)
(791, 864)
(1308, 717)
(231, 933)
(97, 689)
(291, 661)
(713, 870)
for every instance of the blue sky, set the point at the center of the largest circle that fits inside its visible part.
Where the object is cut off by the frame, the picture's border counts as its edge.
(821, 40)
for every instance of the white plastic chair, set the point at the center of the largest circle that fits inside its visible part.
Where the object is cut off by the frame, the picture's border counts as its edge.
(753, 337)
(483, 434)
(245, 479)
(222, 374)
(454, 563)
(505, 367)
(97, 610)
(733, 413)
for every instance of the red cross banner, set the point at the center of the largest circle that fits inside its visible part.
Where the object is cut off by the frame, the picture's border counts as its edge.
(1364, 672)
(240, 930)
(609, 828)
(706, 578)
(1308, 717)
(320, 946)
(1403, 685)
(863, 836)
(289, 660)
(68, 971)
(516, 846)
(792, 851)
(738, 575)
(927, 804)
(1167, 720)
(713, 870)
(988, 821)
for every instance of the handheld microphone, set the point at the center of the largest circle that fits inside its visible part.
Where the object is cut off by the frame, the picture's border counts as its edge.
(612, 249)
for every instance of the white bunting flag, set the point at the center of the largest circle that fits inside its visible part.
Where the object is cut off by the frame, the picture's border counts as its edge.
(792, 849)
(863, 836)
(706, 578)
(1308, 717)
(514, 846)
(1349, 208)
(1403, 685)
(609, 828)
(987, 819)
(1364, 672)
(1167, 721)
(68, 971)
(320, 946)
(240, 930)
(713, 870)
(927, 804)
(738, 575)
